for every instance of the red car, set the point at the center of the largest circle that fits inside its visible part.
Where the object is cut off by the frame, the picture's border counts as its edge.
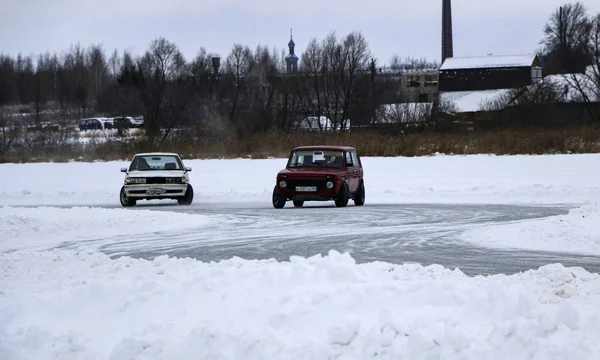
(321, 173)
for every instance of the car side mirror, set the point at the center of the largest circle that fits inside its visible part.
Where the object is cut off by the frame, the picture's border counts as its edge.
(188, 169)
(123, 169)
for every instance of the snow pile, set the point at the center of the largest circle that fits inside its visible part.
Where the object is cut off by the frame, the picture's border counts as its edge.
(22, 228)
(473, 101)
(576, 232)
(70, 305)
(72, 183)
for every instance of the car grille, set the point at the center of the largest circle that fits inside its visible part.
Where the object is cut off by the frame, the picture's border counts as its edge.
(143, 192)
(320, 184)
(163, 180)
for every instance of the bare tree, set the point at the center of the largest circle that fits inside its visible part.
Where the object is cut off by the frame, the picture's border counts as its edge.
(593, 71)
(404, 113)
(25, 73)
(98, 70)
(7, 84)
(566, 40)
(587, 85)
(122, 95)
(313, 69)
(292, 103)
(205, 116)
(332, 68)
(263, 100)
(77, 82)
(332, 80)
(162, 63)
(114, 64)
(45, 77)
(9, 134)
(355, 54)
(239, 65)
(544, 92)
(409, 63)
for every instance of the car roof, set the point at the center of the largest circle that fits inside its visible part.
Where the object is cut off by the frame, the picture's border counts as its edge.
(325, 147)
(155, 153)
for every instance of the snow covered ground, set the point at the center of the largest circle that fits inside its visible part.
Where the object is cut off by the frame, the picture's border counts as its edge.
(83, 305)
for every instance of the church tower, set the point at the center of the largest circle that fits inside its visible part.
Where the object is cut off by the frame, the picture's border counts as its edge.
(291, 59)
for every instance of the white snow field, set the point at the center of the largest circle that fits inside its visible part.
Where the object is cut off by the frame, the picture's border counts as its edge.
(65, 304)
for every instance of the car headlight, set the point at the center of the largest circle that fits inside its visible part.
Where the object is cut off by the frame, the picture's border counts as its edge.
(177, 180)
(134, 180)
(330, 184)
(282, 184)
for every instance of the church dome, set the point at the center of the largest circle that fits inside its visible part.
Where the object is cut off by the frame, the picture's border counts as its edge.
(292, 57)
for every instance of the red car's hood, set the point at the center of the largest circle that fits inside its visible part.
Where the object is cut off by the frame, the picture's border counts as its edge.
(301, 172)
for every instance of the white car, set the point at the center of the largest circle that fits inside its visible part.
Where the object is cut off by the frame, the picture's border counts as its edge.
(127, 122)
(156, 176)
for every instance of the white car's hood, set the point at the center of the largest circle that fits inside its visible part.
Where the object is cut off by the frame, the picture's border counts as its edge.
(156, 173)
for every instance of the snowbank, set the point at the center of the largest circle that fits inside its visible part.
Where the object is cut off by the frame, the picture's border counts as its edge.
(44, 227)
(576, 232)
(70, 305)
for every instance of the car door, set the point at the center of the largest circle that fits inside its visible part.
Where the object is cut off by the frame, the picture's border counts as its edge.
(357, 171)
(350, 171)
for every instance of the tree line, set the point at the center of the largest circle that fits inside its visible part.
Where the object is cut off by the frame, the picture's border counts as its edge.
(248, 91)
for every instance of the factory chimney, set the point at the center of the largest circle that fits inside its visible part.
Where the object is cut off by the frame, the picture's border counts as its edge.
(447, 47)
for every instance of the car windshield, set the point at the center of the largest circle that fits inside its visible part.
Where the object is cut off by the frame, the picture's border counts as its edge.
(317, 158)
(155, 162)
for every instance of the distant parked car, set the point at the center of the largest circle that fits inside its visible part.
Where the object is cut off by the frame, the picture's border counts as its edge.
(95, 124)
(43, 126)
(321, 173)
(156, 176)
(127, 122)
(108, 123)
(139, 120)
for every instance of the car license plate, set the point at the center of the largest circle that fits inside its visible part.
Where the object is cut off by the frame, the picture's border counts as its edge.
(155, 191)
(306, 188)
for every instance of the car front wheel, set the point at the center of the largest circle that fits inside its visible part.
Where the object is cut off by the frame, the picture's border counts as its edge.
(125, 200)
(188, 197)
(359, 197)
(278, 200)
(342, 199)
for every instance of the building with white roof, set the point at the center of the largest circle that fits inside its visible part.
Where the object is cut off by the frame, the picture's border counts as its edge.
(489, 72)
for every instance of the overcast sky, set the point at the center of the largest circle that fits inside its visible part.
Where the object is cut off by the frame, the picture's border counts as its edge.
(403, 27)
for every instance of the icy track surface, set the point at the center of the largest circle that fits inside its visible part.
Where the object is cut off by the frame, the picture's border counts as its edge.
(408, 233)
(86, 306)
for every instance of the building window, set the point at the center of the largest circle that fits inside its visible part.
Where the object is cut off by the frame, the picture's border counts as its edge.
(536, 74)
